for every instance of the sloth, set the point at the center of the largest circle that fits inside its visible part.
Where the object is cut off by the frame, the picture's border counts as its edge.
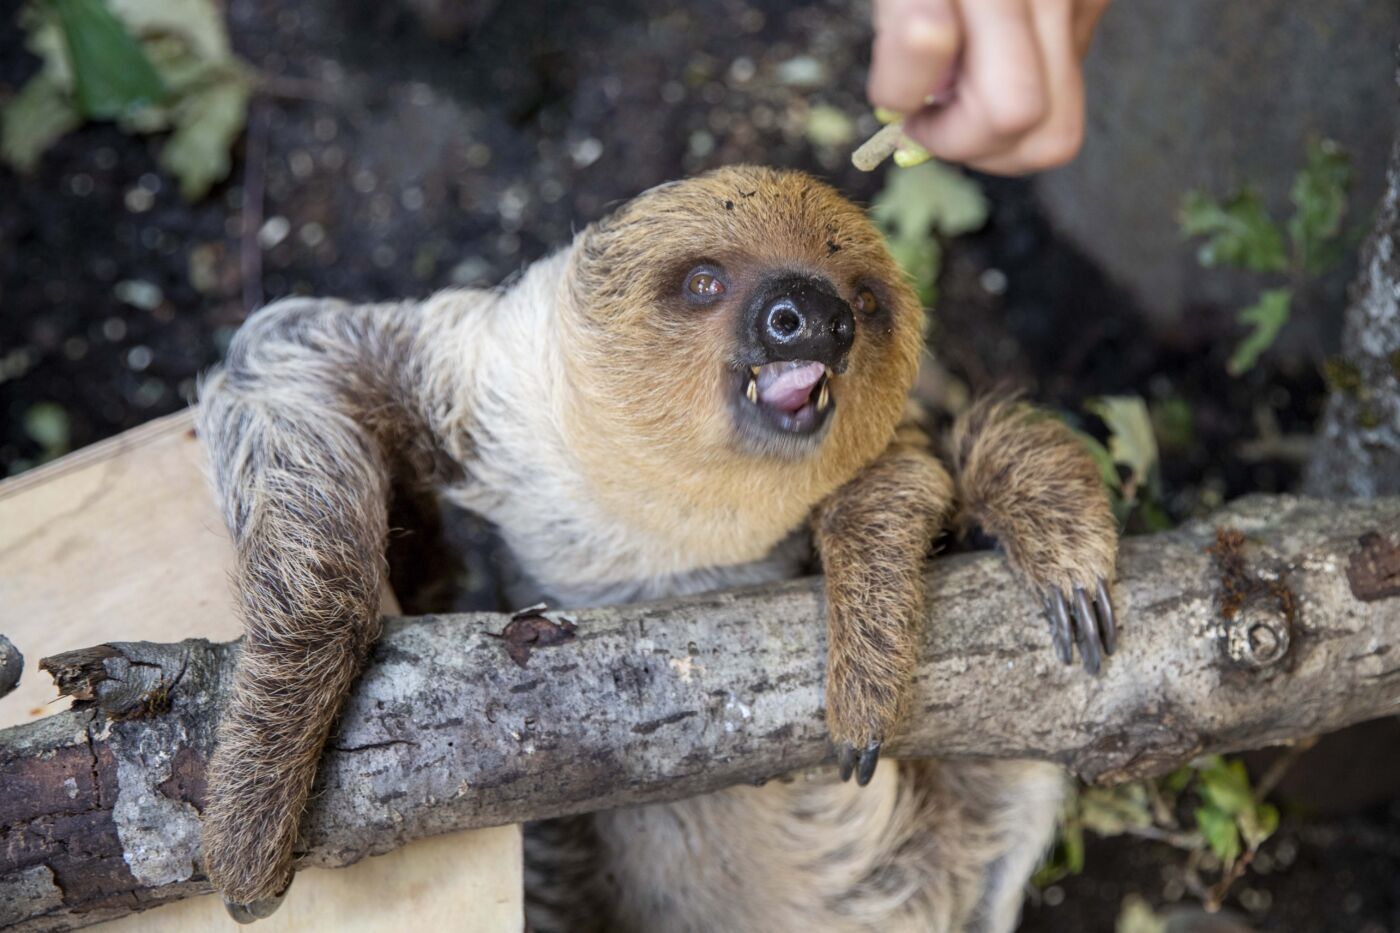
(708, 387)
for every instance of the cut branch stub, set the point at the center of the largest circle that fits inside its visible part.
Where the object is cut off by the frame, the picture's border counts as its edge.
(118, 681)
(11, 666)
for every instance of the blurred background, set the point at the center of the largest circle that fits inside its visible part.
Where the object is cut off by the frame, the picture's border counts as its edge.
(1177, 292)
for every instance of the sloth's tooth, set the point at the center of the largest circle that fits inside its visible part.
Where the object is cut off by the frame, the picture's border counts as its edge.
(823, 397)
(752, 391)
(754, 370)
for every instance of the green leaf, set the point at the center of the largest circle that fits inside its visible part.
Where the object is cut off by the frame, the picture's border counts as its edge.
(1108, 473)
(1173, 422)
(1110, 811)
(111, 74)
(915, 206)
(207, 121)
(1220, 832)
(829, 127)
(1067, 855)
(1319, 197)
(1267, 317)
(1137, 916)
(1238, 231)
(920, 259)
(929, 197)
(34, 119)
(1225, 785)
(46, 423)
(1130, 440)
(1154, 517)
(1258, 823)
(1074, 848)
(1179, 780)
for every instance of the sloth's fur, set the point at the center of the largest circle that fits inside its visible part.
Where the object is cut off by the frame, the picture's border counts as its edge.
(588, 411)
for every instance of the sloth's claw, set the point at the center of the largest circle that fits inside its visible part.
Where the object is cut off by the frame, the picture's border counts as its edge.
(862, 765)
(846, 756)
(1106, 620)
(1061, 632)
(868, 760)
(1087, 620)
(1090, 647)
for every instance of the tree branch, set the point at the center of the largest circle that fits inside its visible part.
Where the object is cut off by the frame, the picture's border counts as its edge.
(1291, 628)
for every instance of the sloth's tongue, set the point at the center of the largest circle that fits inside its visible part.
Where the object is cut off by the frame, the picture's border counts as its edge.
(787, 386)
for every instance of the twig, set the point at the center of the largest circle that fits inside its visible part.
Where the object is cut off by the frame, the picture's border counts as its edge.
(250, 251)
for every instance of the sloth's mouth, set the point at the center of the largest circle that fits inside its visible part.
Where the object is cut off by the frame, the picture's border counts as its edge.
(791, 396)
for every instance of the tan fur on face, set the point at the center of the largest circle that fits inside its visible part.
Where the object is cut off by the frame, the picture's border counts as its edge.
(651, 378)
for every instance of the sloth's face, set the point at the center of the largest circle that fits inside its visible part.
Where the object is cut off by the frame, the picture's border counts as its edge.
(792, 333)
(747, 323)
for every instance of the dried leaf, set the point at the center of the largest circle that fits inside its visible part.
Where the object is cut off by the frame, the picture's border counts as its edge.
(1130, 441)
(199, 23)
(37, 117)
(207, 121)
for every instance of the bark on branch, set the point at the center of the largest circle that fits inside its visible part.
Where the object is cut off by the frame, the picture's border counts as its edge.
(1291, 628)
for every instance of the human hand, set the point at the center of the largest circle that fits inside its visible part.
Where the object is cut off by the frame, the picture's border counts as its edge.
(1005, 77)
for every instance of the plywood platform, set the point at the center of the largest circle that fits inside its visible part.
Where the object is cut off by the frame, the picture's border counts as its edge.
(121, 541)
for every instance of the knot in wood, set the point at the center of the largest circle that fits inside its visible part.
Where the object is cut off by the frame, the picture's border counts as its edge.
(1259, 634)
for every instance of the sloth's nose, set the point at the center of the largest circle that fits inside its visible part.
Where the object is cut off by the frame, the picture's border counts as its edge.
(799, 319)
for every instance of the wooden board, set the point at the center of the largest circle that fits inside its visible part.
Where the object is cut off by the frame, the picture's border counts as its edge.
(122, 540)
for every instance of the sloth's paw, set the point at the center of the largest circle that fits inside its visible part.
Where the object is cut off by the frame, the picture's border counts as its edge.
(863, 708)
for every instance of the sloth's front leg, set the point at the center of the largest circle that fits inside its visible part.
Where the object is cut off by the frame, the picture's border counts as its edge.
(1029, 483)
(873, 535)
(295, 427)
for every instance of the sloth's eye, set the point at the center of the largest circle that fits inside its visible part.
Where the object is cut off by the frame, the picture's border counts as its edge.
(704, 285)
(866, 302)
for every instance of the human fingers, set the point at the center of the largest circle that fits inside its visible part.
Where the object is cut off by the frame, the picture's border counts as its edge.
(915, 52)
(1001, 95)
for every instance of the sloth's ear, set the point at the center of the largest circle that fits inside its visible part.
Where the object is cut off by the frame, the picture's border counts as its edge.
(615, 209)
(661, 187)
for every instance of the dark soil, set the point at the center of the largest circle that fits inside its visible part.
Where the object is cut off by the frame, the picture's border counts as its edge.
(395, 154)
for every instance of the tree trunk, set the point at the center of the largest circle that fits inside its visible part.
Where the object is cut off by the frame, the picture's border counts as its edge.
(1357, 451)
(1278, 618)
